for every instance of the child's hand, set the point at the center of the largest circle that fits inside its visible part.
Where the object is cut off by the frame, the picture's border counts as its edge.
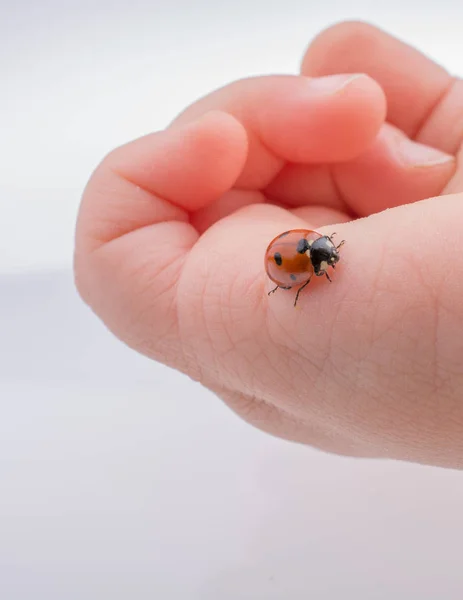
(174, 226)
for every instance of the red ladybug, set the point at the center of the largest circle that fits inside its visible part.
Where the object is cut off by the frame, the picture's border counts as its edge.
(294, 256)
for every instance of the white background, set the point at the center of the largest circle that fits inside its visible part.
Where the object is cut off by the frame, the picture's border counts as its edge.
(120, 479)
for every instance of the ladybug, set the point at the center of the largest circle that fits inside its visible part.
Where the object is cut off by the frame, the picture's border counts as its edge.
(293, 257)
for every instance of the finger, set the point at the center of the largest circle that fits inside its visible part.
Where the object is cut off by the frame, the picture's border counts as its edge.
(297, 119)
(133, 233)
(422, 97)
(161, 177)
(408, 78)
(418, 172)
(393, 171)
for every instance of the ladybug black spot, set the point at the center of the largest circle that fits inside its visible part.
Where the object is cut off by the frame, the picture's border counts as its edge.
(302, 246)
(277, 258)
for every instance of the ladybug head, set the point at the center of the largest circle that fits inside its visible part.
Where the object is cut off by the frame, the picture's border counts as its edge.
(323, 254)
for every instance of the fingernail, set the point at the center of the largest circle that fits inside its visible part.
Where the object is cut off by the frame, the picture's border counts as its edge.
(332, 84)
(414, 154)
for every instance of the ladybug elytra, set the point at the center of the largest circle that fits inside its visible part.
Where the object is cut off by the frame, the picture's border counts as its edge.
(293, 257)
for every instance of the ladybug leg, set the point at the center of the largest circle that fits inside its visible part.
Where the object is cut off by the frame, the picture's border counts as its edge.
(300, 290)
(330, 237)
(328, 277)
(276, 288)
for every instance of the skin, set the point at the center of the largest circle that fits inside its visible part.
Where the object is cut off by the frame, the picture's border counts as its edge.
(173, 229)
